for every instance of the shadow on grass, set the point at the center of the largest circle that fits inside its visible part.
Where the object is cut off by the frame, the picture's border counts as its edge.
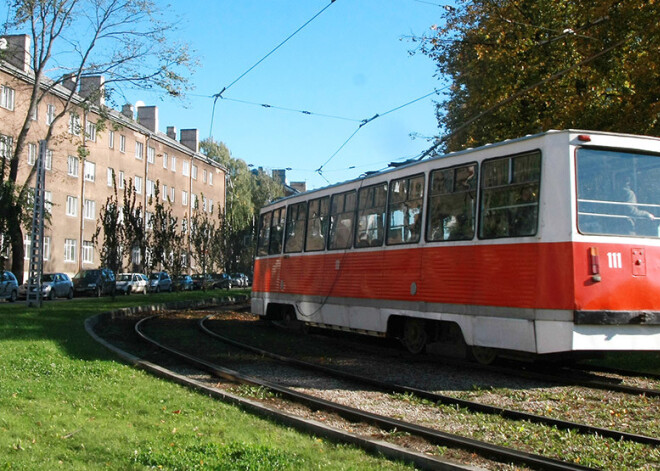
(62, 321)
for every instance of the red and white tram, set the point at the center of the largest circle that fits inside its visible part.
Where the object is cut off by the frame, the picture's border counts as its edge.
(540, 245)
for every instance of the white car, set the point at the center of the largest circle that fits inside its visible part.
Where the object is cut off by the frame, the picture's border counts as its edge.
(128, 283)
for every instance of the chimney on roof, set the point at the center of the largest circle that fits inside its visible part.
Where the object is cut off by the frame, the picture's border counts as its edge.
(171, 132)
(190, 139)
(148, 117)
(93, 87)
(15, 49)
(69, 82)
(128, 111)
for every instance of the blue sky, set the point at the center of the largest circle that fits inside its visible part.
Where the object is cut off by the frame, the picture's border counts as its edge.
(351, 62)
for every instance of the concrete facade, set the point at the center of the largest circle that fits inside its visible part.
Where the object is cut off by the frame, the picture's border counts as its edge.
(126, 146)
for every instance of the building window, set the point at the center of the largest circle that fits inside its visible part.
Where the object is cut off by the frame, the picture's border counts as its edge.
(7, 97)
(72, 166)
(135, 255)
(27, 247)
(164, 192)
(165, 160)
(185, 168)
(204, 173)
(70, 250)
(74, 124)
(122, 143)
(151, 155)
(46, 248)
(139, 150)
(90, 209)
(121, 180)
(50, 114)
(138, 185)
(184, 198)
(210, 206)
(173, 166)
(71, 206)
(32, 153)
(193, 200)
(150, 187)
(87, 251)
(194, 172)
(111, 139)
(111, 175)
(149, 220)
(91, 131)
(172, 194)
(211, 178)
(90, 171)
(48, 202)
(48, 164)
(6, 144)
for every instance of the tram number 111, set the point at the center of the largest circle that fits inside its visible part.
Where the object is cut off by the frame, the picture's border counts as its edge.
(614, 259)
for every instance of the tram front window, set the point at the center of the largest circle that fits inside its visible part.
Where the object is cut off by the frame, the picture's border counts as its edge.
(617, 193)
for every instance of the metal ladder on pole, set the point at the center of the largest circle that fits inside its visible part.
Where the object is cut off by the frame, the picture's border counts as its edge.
(34, 295)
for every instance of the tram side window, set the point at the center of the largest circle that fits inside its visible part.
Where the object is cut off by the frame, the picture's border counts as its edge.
(264, 234)
(371, 216)
(276, 232)
(510, 196)
(405, 210)
(295, 227)
(342, 217)
(452, 203)
(317, 224)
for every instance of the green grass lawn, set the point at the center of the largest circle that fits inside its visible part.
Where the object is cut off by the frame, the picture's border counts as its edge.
(68, 403)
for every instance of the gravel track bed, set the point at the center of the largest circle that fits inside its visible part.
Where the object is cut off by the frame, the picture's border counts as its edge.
(612, 410)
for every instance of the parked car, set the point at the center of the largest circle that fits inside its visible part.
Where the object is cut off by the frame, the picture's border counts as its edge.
(202, 281)
(96, 282)
(159, 281)
(53, 285)
(240, 279)
(128, 283)
(182, 283)
(8, 286)
(222, 281)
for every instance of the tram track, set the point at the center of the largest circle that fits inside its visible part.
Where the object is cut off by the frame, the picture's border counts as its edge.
(352, 414)
(389, 387)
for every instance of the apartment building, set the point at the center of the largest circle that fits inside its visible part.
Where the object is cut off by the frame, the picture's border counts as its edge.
(126, 145)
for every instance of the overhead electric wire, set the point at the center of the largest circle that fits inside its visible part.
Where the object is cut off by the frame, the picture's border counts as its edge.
(305, 112)
(367, 121)
(219, 94)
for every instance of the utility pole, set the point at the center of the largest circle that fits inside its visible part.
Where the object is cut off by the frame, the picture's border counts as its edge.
(34, 295)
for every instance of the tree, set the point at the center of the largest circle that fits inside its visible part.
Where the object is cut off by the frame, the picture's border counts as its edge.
(520, 66)
(135, 233)
(204, 239)
(247, 191)
(164, 236)
(109, 232)
(125, 41)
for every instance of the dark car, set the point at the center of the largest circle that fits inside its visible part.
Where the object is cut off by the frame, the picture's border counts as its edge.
(159, 281)
(202, 281)
(8, 286)
(53, 285)
(182, 283)
(96, 282)
(222, 281)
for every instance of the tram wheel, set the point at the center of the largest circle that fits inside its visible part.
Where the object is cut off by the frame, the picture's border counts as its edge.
(483, 355)
(415, 335)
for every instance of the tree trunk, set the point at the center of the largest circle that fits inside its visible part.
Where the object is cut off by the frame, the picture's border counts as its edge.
(17, 255)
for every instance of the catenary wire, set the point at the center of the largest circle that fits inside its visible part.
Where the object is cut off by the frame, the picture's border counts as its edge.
(219, 94)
